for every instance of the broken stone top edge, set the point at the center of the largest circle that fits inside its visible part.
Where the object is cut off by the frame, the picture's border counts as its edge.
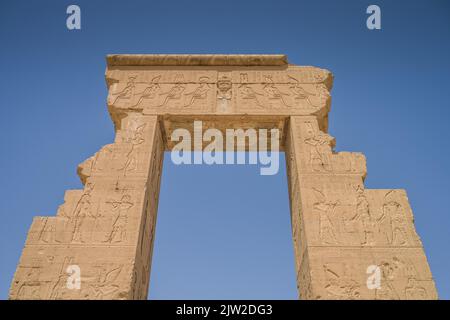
(196, 60)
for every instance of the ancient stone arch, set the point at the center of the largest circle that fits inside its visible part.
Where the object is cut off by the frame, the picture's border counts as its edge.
(345, 236)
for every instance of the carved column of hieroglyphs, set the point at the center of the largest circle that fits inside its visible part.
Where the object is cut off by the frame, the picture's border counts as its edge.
(345, 235)
(106, 229)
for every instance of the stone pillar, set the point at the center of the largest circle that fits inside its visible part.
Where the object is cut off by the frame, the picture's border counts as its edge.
(350, 242)
(103, 233)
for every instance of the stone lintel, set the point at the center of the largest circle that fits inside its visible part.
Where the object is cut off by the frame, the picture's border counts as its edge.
(196, 60)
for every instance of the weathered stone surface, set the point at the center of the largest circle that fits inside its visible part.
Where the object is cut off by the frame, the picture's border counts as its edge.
(196, 60)
(340, 229)
(107, 229)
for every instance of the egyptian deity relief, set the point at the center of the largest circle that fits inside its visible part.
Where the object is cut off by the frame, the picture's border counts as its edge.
(317, 155)
(165, 91)
(343, 275)
(221, 90)
(352, 216)
(107, 228)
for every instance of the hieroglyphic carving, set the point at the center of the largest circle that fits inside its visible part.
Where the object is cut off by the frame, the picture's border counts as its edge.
(318, 155)
(311, 75)
(302, 75)
(149, 92)
(262, 96)
(118, 232)
(320, 152)
(104, 285)
(47, 232)
(30, 286)
(345, 273)
(185, 96)
(134, 142)
(399, 281)
(352, 216)
(306, 92)
(126, 93)
(81, 212)
(339, 284)
(175, 92)
(224, 93)
(248, 93)
(362, 215)
(339, 228)
(393, 218)
(387, 290)
(274, 93)
(339, 214)
(326, 214)
(199, 93)
(60, 285)
(128, 97)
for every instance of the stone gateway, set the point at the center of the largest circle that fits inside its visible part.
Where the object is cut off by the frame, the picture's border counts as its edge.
(344, 235)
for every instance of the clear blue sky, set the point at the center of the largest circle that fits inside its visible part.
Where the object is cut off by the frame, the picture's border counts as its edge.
(223, 231)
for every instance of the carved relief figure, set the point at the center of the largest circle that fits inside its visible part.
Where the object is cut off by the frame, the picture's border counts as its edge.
(322, 95)
(364, 217)
(200, 93)
(149, 92)
(128, 92)
(273, 93)
(104, 287)
(399, 277)
(132, 156)
(325, 209)
(248, 93)
(60, 285)
(320, 151)
(224, 86)
(394, 212)
(120, 218)
(300, 93)
(243, 77)
(338, 286)
(47, 232)
(175, 93)
(30, 287)
(387, 290)
(81, 211)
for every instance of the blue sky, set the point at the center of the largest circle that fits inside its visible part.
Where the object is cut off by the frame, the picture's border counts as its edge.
(223, 231)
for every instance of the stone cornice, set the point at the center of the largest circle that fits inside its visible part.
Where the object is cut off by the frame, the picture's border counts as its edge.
(196, 60)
